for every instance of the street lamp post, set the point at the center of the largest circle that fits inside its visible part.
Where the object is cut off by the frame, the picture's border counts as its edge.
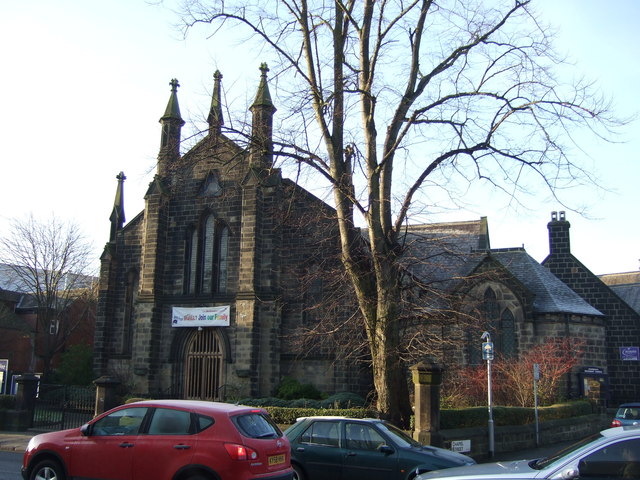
(487, 354)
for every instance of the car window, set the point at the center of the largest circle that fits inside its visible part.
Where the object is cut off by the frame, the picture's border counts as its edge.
(561, 454)
(166, 421)
(398, 436)
(360, 436)
(322, 433)
(122, 422)
(204, 422)
(629, 413)
(256, 425)
(618, 460)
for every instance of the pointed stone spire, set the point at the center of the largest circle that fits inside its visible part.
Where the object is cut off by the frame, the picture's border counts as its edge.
(117, 214)
(172, 124)
(262, 128)
(215, 118)
(263, 97)
(173, 109)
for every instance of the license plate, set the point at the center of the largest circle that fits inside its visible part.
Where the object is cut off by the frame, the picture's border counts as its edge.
(276, 459)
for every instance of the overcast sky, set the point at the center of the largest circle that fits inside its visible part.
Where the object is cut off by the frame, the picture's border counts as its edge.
(84, 83)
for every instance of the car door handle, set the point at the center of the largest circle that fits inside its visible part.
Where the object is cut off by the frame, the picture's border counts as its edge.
(351, 454)
(126, 445)
(300, 449)
(182, 447)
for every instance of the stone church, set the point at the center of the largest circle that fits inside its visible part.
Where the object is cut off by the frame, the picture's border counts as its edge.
(215, 289)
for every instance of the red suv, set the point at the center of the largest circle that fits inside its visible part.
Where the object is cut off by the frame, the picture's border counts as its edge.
(164, 439)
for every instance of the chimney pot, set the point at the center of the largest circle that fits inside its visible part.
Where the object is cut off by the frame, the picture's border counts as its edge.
(562, 216)
(554, 216)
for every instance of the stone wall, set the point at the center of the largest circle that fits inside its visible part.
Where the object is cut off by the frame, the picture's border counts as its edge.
(522, 437)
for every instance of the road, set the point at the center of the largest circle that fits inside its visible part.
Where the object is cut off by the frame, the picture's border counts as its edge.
(10, 465)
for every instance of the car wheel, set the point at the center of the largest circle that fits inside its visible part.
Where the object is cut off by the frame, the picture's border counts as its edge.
(47, 470)
(298, 474)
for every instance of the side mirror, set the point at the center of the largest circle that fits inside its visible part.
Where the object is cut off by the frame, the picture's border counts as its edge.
(570, 474)
(386, 449)
(86, 429)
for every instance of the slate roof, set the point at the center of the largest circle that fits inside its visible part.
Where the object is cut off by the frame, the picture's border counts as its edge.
(630, 293)
(552, 295)
(626, 285)
(446, 254)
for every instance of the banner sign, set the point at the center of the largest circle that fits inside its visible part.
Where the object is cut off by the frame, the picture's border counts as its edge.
(200, 317)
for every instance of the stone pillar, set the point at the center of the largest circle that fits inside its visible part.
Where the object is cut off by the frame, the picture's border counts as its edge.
(427, 378)
(26, 395)
(105, 394)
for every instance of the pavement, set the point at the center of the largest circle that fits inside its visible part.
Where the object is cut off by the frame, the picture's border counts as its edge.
(17, 442)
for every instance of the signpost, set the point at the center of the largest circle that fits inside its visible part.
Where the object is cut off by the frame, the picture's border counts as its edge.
(536, 377)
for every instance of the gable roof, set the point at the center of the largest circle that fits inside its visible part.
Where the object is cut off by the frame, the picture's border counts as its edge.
(444, 255)
(551, 295)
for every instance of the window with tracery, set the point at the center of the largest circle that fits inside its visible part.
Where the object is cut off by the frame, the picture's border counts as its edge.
(206, 257)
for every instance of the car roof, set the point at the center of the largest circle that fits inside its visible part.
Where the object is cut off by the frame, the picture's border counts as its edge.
(631, 404)
(625, 431)
(338, 417)
(199, 405)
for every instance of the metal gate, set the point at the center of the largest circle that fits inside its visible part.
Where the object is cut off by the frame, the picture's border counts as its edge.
(59, 407)
(204, 361)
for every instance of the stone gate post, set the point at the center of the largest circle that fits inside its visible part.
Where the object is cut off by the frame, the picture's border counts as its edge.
(427, 379)
(105, 394)
(26, 397)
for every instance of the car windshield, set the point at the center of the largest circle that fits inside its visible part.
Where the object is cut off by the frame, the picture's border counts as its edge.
(545, 462)
(400, 438)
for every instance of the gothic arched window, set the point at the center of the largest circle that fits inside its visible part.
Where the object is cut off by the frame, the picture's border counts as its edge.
(206, 257)
(508, 333)
(131, 289)
(207, 253)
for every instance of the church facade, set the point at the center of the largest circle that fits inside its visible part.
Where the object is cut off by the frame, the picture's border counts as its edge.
(201, 293)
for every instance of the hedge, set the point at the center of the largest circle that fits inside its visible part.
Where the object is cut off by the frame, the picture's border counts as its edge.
(478, 416)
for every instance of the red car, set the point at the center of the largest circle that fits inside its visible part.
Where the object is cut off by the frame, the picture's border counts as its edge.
(164, 440)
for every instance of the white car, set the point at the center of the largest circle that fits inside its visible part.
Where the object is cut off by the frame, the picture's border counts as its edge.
(611, 454)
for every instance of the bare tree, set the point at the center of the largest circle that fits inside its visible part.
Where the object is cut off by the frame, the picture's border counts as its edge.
(50, 261)
(447, 93)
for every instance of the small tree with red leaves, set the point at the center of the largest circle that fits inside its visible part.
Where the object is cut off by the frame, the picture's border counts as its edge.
(512, 379)
(556, 357)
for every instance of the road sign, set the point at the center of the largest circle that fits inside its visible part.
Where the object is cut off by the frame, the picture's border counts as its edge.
(487, 350)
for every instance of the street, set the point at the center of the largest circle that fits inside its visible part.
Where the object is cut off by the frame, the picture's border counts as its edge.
(10, 465)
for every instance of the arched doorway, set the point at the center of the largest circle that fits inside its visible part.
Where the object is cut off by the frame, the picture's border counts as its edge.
(204, 361)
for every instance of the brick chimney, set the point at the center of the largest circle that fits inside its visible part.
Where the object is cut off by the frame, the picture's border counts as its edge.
(559, 242)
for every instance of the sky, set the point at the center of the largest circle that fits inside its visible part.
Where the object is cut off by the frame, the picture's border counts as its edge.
(85, 82)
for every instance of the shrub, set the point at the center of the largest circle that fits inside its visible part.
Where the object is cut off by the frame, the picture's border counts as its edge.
(343, 400)
(288, 416)
(478, 416)
(512, 379)
(7, 402)
(76, 366)
(291, 389)
(263, 402)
